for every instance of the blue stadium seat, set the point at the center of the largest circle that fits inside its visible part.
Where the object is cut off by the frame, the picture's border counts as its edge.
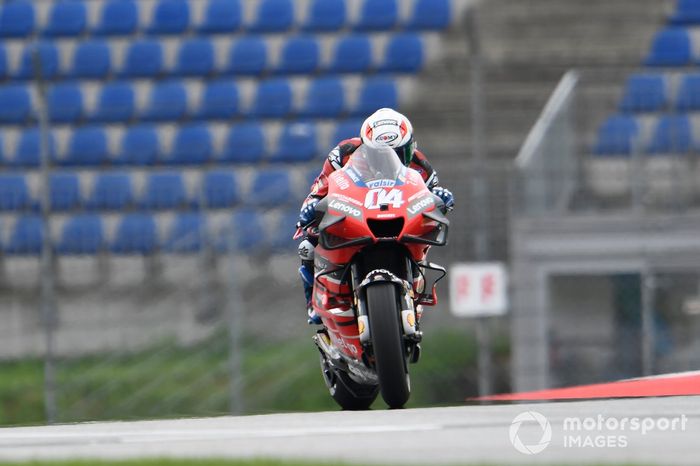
(403, 53)
(195, 58)
(164, 190)
(193, 145)
(273, 99)
(346, 129)
(672, 135)
(310, 178)
(118, 17)
(245, 143)
(139, 146)
(187, 234)
(617, 136)
(689, 93)
(29, 148)
(297, 143)
(220, 189)
(687, 12)
(325, 16)
(136, 234)
(352, 54)
(271, 188)
(247, 56)
(325, 98)
(66, 18)
(14, 193)
(16, 19)
(82, 234)
(144, 58)
(168, 101)
(644, 93)
(220, 100)
(378, 15)
(170, 17)
(281, 240)
(248, 231)
(670, 47)
(64, 191)
(300, 55)
(222, 16)
(115, 103)
(3, 62)
(430, 14)
(376, 93)
(273, 16)
(27, 236)
(112, 191)
(15, 104)
(87, 147)
(65, 102)
(48, 57)
(92, 60)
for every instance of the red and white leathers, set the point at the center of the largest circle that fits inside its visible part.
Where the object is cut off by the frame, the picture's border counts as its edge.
(338, 157)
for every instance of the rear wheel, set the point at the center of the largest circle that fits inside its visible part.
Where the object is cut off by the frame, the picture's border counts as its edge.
(387, 344)
(349, 395)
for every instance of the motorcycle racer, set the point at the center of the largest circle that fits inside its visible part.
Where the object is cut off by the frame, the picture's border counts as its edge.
(384, 127)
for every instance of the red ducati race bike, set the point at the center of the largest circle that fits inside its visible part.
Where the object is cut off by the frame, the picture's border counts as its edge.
(374, 229)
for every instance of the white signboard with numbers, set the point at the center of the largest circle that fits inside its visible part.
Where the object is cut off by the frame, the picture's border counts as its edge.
(478, 289)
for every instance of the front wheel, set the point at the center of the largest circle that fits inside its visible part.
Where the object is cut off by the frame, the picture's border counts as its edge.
(387, 344)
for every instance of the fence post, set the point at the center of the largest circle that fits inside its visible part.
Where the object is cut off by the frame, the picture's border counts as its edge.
(47, 297)
(235, 320)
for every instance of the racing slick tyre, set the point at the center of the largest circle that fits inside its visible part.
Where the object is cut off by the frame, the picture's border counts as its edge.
(387, 343)
(350, 395)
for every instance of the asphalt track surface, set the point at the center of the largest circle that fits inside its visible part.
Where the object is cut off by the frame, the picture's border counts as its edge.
(463, 435)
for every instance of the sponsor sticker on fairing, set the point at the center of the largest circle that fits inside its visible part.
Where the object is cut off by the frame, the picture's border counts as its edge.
(353, 176)
(420, 205)
(381, 184)
(345, 198)
(345, 208)
(342, 182)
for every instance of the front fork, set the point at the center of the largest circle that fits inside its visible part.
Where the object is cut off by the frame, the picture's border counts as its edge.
(408, 312)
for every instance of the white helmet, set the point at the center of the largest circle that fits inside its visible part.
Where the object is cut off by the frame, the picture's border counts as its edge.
(389, 127)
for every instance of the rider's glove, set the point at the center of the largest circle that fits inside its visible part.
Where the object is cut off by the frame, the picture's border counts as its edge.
(446, 197)
(308, 213)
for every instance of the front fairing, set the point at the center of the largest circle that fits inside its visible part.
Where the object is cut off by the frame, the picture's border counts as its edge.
(374, 198)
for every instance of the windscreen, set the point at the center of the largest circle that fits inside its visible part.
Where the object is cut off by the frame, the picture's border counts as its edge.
(372, 164)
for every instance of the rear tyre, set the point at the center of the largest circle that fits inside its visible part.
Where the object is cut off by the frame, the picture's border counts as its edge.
(387, 343)
(350, 395)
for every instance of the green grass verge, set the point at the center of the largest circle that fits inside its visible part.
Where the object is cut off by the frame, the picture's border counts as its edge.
(170, 381)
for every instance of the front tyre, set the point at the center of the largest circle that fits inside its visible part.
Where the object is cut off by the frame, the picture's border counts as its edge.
(387, 343)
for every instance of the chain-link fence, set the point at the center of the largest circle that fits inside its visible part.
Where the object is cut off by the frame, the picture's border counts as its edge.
(154, 156)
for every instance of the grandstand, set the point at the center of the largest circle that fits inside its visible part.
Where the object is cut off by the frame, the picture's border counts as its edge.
(166, 106)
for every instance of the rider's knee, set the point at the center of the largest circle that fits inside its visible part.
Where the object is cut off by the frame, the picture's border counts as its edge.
(306, 250)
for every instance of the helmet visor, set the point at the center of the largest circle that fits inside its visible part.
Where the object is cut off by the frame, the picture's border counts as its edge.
(406, 152)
